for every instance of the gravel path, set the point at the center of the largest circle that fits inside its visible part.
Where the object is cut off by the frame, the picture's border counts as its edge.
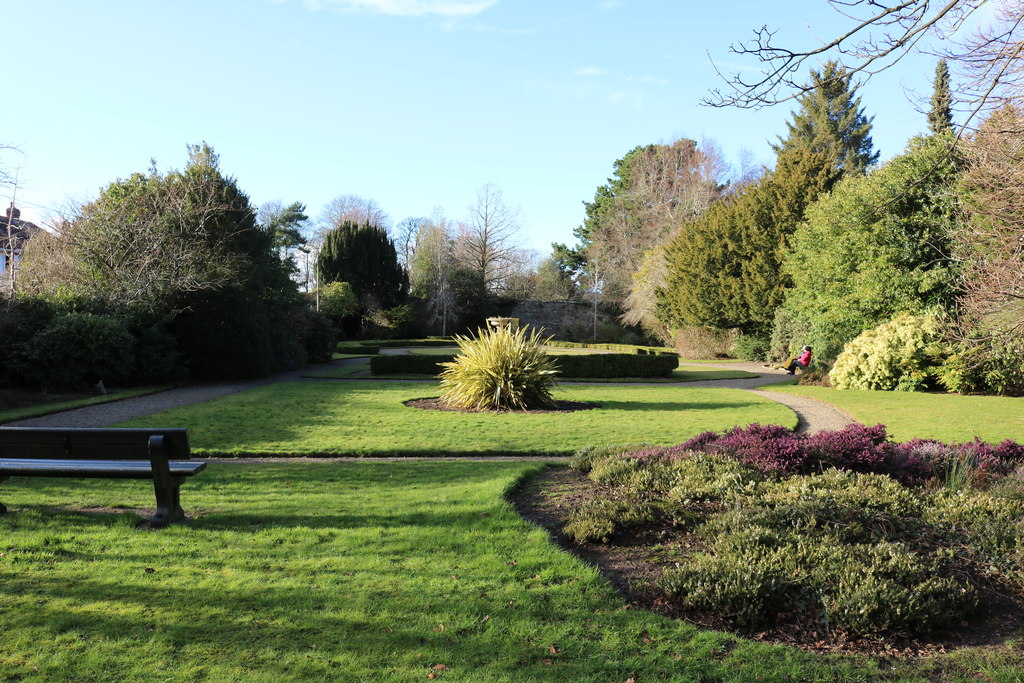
(813, 415)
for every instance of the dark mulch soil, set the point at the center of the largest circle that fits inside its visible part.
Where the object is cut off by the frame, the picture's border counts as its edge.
(561, 407)
(23, 398)
(633, 561)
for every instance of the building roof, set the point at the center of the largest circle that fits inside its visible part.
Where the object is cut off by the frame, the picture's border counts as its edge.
(14, 231)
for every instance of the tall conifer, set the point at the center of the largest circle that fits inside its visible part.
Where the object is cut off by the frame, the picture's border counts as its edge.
(830, 119)
(940, 117)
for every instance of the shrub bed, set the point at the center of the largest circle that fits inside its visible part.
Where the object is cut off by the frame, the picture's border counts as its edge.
(845, 530)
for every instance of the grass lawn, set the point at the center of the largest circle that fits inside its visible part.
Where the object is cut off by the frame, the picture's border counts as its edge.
(346, 572)
(908, 415)
(368, 418)
(339, 371)
(38, 409)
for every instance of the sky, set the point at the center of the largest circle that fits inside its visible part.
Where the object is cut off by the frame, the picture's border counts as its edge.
(414, 104)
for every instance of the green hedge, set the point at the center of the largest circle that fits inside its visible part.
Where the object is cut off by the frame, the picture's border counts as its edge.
(620, 348)
(593, 365)
(408, 364)
(616, 365)
(356, 348)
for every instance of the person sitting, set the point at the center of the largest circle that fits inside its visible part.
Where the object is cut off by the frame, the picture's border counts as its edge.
(801, 361)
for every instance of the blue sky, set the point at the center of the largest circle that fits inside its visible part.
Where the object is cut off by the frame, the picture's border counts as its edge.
(412, 103)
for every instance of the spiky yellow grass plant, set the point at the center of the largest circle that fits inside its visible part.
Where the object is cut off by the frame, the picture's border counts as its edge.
(499, 370)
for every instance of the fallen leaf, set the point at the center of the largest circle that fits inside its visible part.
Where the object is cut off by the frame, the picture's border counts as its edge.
(554, 650)
(487, 617)
(440, 667)
(431, 675)
(440, 627)
(485, 514)
(149, 570)
(548, 662)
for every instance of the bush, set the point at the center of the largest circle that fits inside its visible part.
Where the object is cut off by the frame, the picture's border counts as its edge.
(388, 323)
(703, 342)
(409, 364)
(858, 550)
(750, 347)
(320, 336)
(607, 365)
(499, 370)
(75, 350)
(224, 334)
(357, 348)
(584, 459)
(157, 358)
(598, 519)
(901, 354)
(984, 368)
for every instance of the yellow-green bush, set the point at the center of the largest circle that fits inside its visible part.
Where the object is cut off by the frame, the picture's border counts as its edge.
(499, 370)
(900, 355)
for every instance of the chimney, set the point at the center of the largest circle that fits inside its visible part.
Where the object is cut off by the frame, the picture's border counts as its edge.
(13, 212)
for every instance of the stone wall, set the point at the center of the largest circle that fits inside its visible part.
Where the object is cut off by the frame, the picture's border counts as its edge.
(565, 320)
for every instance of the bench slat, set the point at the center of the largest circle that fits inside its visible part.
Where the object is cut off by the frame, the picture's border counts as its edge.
(82, 468)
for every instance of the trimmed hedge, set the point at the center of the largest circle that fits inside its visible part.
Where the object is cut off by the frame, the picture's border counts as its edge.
(620, 348)
(616, 365)
(358, 349)
(409, 364)
(600, 365)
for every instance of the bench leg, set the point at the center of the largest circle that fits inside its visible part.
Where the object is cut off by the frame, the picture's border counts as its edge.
(3, 508)
(168, 504)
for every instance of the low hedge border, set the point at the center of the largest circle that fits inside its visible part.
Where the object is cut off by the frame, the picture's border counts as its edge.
(598, 365)
(620, 348)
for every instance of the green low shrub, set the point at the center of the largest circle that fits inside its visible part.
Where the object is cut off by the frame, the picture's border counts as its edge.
(608, 365)
(76, 349)
(750, 347)
(859, 550)
(584, 459)
(409, 364)
(357, 348)
(901, 355)
(598, 519)
(620, 348)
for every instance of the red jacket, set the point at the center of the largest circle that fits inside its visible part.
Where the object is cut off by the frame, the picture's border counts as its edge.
(805, 358)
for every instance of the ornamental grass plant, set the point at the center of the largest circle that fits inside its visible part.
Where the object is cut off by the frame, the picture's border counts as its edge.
(499, 370)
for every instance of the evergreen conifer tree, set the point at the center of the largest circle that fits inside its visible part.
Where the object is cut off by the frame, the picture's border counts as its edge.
(724, 269)
(365, 257)
(831, 120)
(940, 117)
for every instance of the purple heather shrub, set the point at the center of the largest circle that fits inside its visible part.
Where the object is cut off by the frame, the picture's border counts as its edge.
(699, 442)
(769, 448)
(775, 450)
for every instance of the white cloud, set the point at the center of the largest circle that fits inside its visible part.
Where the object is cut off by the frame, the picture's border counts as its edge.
(627, 98)
(409, 8)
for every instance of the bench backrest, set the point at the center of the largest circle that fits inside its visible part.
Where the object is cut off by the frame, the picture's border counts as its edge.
(90, 444)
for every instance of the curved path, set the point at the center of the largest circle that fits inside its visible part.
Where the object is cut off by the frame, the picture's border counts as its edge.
(813, 415)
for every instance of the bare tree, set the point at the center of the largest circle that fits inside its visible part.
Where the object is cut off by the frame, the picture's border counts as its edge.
(147, 238)
(431, 271)
(484, 243)
(659, 188)
(991, 245)
(354, 209)
(988, 61)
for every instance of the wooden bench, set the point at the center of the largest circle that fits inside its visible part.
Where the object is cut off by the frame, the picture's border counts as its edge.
(158, 454)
